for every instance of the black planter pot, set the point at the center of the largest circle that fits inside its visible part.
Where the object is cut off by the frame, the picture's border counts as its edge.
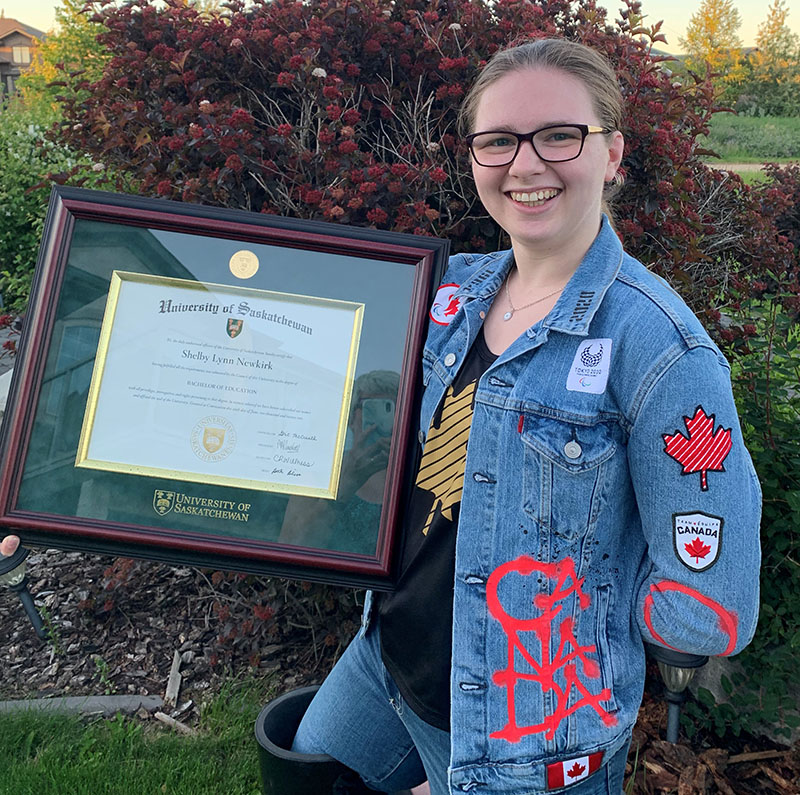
(285, 772)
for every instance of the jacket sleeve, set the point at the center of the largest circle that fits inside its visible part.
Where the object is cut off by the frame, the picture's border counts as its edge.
(700, 507)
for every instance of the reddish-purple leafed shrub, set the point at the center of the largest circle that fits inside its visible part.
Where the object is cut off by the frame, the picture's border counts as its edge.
(344, 110)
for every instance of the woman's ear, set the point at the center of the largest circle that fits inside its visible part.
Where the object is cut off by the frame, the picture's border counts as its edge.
(616, 148)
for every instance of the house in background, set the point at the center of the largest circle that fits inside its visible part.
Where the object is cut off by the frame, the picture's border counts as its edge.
(17, 51)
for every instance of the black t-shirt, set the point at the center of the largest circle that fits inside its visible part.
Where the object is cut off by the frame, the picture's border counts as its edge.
(416, 620)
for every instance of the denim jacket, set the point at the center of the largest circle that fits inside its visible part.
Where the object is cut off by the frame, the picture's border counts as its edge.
(608, 499)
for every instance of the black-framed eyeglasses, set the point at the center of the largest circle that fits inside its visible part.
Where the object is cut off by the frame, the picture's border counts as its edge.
(554, 144)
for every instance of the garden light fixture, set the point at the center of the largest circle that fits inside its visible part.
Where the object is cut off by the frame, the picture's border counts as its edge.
(677, 670)
(12, 574)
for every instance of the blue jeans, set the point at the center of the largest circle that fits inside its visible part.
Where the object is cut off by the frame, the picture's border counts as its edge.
(359, 717)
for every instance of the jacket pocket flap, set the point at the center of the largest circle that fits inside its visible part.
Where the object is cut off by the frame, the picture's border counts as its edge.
(576, 448)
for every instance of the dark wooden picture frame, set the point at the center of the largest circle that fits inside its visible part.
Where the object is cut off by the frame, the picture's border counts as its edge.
(49, 497)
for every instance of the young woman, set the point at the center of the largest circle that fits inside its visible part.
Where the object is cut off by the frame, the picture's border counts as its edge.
(583, 485)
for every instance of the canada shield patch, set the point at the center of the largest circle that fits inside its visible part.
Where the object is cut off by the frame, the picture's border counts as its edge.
(445, 305)
(697, 538)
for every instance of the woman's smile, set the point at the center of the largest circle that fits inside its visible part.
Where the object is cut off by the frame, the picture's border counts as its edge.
(534, 198)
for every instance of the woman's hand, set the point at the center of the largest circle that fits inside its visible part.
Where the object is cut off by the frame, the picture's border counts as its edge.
(8, 546)
(368, 455)
(363, 461)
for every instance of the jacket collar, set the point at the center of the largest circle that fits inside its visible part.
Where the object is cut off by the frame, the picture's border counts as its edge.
(583, 294)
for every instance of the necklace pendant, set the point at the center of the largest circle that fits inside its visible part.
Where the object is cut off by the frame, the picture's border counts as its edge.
(508, 315)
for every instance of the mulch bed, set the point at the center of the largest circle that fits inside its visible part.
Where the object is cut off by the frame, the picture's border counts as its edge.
(116, 625)
(745, 766)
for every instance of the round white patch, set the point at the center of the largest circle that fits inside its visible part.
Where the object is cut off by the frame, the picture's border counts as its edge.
(444, 305)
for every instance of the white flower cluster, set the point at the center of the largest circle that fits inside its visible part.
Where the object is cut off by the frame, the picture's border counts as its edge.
(319, 72)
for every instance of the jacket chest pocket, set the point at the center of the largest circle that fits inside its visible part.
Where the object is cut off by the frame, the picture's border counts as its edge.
(564, 481)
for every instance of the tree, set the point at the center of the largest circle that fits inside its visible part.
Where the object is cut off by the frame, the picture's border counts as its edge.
(772, 85)
(69, 54)
(778, 46)
(29, 161)
(711, 38)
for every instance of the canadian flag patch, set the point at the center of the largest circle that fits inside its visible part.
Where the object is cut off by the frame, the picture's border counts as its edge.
(445, 305)
(571, 771)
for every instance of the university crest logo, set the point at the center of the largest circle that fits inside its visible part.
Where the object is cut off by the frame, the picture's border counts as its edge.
(234, 327)
(213, 439)
(163, 501)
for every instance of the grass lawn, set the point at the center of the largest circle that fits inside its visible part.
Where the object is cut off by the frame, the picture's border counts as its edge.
(67, 755)
(748, 176)
(752, 177)
(745, 139)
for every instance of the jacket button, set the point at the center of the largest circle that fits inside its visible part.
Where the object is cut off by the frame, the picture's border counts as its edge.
(572, 450)
(421, 437)
(450, 359)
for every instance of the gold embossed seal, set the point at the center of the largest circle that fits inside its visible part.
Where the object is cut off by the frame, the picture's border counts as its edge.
(243, 264)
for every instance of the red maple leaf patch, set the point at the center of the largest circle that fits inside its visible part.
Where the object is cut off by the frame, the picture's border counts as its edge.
(576, 770)
(697, 549)
(703, 450)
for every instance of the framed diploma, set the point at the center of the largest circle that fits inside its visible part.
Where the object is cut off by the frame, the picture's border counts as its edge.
(218, 388)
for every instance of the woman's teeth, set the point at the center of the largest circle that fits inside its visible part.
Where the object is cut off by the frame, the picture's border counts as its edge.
(535, 198)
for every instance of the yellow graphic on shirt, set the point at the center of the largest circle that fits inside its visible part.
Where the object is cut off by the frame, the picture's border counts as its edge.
(441, 469)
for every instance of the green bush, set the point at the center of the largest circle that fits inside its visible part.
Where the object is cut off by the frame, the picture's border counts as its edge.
(29, 163)
(772, 99)
(767, 370)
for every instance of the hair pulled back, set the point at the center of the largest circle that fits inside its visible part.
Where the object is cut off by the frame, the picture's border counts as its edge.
(576, 60)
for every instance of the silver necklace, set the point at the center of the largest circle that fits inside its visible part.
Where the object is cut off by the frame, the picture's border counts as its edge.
(508, 315)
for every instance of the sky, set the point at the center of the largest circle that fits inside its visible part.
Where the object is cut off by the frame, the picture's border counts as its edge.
(40, 14)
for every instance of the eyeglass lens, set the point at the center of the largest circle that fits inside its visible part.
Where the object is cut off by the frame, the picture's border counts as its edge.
(552, 144)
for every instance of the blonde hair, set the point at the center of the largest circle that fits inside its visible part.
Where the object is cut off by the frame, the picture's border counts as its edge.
(576, 60)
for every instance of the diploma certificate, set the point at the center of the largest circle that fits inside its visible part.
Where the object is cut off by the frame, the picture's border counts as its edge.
(219, 384)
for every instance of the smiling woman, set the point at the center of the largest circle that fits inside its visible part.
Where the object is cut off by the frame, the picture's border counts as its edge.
(560, 515)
